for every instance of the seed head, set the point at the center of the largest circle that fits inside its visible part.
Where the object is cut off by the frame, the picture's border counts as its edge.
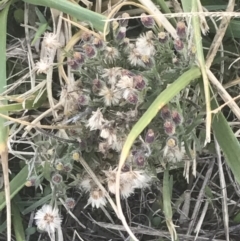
(42, 66)
(97, 198)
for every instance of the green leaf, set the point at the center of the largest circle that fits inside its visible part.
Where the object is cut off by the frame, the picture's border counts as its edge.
(16, 185)
(236, 219)
(227, 141)
(35, 205)
(17, 223)
(83, 14)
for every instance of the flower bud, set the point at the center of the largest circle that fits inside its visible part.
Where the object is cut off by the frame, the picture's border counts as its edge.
(83, 100)
(121, 34)
(78, 57)
(86, 37)
(139, 82)
(172, 142)
(76, 156)
(162, 37)
(124, 21)
(57, 179)
(68, 167)
(147, 61)
(98, 43)
(90, 51)
(169, 127)
(149, 138)
(31, 181)
(181, 30)
(165, 112)
(73, 64)
(125, 168)
(178, 45)
(176, 117)
(96, 85)
(147, 21)
(139, 158)
(132, 98)
(59, 166)
(70, 203)
(175, 61)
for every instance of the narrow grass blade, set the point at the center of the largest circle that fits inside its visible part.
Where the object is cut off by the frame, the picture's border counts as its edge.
(201, 62)
(167, 207)
(17, 223)
(3, 128)
(16, 185)
(227, 141)
(95, 19)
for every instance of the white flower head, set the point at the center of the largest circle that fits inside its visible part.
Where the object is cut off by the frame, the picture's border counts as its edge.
(48, 219)
(172, 152)
(86, 184)
(145, 44)
(140, 179)
(109, 134)
(134, 57)
(112, 74)
(125, 82)
(126, 187)
(111, 54)
(97, 198)
(110, 96)
(42, 66)
(51, 41)
(96, 120)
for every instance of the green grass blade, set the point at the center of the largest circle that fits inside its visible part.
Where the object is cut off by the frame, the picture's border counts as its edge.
(16, 185)
(167, 207)
(3, 127)
(227, 141)
(17, 223)
(83, 14)
(165, 9)
(159, 102)
(28, 105)
(37, 204)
